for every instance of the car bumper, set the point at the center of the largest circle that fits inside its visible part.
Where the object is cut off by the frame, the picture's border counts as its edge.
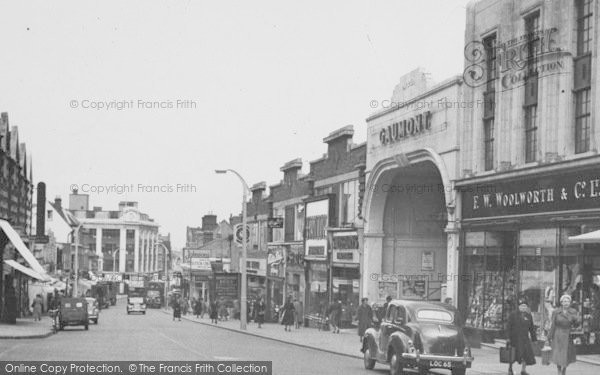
(428, 359)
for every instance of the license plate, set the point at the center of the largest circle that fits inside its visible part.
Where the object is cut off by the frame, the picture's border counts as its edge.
(440, 364)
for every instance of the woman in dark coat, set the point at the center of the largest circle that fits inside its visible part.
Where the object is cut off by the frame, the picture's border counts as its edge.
(288, 314)
(177, 309)
(365, 317)
(520, 329)
(214, 311)
(261, 308)
(563, 320)
(197, 308)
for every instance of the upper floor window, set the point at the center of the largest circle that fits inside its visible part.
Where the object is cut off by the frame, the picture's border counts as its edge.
(582, 120)
(530, 133)
(584, 26)
(532, 28)
(349, 202)
(488, 142)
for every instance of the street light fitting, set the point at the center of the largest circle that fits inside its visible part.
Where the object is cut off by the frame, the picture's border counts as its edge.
(220, 171)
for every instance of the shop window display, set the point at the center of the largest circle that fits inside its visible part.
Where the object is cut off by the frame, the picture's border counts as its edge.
(492, 280)
(580, 278)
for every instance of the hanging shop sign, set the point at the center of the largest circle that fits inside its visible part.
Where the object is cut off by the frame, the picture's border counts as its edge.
(564, 192)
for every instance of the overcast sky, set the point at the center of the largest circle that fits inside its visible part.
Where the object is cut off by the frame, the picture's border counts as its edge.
(269, 80)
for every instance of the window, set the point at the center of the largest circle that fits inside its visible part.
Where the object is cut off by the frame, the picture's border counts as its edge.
(530, 133)
(532, 26)
(582, 121)
(289, 223)
(488, 139)
(582, 77)
(489, 99)
(437, 315)
(584, 26)
(349, 202)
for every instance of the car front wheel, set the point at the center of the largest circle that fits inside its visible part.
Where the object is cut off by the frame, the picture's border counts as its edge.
(368, 361)
(396, 367)
(459, 371)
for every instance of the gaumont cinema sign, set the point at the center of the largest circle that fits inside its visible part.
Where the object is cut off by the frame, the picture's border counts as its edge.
(406, 128)
(564, 192)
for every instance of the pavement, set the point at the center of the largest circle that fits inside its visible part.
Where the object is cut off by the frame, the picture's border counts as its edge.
(347, 343)
(27, 328)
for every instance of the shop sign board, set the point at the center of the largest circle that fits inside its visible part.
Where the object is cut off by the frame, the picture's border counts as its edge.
(569, 191)
(194, 253)
(275, 222)
(388, 288)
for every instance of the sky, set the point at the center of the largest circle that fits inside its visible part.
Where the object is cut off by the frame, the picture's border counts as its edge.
(143, 100)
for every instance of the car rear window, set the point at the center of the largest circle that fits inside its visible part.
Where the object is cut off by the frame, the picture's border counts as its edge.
(79, 304)
(437, 315)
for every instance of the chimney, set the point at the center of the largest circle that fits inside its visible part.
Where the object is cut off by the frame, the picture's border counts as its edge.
(57, 200)
(40, 226)
(339, 139)
(257, 191)
(290, 170)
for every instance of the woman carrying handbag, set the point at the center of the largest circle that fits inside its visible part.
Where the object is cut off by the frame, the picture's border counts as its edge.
(520, 329)
(563, 320)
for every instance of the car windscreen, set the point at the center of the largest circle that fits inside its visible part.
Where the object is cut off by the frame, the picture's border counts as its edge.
(435, 315)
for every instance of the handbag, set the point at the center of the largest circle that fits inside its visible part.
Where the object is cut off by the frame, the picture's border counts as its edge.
(508, 354)
(546, 354)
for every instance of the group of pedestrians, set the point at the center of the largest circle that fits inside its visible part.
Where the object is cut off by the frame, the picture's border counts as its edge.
(521, 335)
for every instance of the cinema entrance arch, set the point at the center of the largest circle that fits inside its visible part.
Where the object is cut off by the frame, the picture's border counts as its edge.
(410, 240)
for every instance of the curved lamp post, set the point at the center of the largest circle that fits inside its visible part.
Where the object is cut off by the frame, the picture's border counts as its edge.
(243, 297)
(166, 250)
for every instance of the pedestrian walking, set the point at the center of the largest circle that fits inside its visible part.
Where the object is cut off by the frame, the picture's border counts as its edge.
(288, 314)
(335, 313)
(383, 310)
(298, 313)
(197, 308)
(214, 312)
(365, 317)
(177, 309)
(521, 334)
(37, 305)
(204, 309)
(261, 308)
(563, 321)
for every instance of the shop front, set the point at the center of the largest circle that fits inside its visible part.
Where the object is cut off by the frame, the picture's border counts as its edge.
(275, 280)
(345, 269)
(317, 258)
(515, 236)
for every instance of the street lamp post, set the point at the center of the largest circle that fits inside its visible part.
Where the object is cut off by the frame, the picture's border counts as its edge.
(76, 266)
(166, 273)
(243, 298)
(114, 261)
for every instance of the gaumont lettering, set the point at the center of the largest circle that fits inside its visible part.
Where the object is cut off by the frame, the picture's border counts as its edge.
(405, 128)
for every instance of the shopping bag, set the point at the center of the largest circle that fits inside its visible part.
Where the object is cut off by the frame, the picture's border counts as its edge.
(546, 355)
(508, 354)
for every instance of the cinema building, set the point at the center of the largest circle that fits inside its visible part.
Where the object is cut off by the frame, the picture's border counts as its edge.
(410, 231)
(530, 170)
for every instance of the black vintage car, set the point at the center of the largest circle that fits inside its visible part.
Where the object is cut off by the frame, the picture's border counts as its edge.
(417, 335)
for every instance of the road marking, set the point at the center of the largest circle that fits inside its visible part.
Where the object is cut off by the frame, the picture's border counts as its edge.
(202, 356)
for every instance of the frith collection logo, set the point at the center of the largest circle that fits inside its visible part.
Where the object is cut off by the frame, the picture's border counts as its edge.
(515, 61)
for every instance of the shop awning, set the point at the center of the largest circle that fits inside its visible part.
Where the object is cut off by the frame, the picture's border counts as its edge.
(15, 239)
(591, 237)
(27, 271)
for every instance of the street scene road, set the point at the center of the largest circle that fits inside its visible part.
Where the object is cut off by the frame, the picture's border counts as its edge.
(155, 336)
